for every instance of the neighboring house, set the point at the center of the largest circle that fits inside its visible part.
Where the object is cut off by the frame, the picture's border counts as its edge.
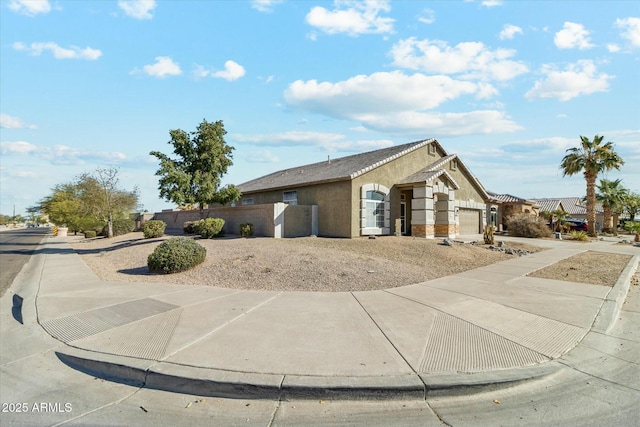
(413, 189)
(574, 207)
(506, 205)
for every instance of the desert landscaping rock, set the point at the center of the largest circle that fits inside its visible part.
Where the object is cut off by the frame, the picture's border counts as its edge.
(592, 267)
(301, 264)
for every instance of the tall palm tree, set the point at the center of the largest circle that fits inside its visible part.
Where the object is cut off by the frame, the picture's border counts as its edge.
(590, 158)
(611, 195)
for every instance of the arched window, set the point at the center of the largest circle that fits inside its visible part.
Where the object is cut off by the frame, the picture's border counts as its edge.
(374, 211)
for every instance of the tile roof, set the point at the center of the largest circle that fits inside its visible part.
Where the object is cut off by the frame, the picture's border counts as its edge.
(571, 205)
(548, 205)
(338, 169)
(508, 198)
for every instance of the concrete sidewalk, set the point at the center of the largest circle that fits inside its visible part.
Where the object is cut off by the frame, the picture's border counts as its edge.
(487, 326)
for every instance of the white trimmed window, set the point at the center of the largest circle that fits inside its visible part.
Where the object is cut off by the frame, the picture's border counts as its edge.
(374, 210)
(290, 197)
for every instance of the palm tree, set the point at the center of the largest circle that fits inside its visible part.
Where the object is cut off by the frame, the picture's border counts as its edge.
(611, 195)
(590, 158)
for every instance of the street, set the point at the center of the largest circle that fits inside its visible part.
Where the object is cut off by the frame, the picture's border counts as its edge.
(16, 246)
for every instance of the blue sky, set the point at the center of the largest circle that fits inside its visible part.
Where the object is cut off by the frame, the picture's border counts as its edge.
(507, 85)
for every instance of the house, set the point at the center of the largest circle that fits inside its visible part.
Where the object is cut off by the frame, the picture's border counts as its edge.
(506, 205)
(413, 189)
(574, 207)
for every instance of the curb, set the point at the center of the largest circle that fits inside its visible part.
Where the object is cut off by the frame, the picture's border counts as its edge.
(610, 310)
(245, 385)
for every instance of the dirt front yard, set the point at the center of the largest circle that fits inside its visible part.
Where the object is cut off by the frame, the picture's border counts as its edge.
(596, 268)
(302, 264)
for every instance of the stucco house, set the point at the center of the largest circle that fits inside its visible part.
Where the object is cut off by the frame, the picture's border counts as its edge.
(506, 205)
(575, 208)
(413, 189)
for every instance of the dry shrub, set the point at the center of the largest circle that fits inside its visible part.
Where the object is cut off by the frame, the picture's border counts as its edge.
(526, 225)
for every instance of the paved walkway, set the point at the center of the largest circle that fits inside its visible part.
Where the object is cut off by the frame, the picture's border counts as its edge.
(485, 326)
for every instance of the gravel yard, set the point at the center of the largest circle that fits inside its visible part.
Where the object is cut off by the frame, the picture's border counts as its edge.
(596, 268)
(302, 264)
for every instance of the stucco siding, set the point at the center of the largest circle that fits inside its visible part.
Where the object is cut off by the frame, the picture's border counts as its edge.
(388, 175)
(332, 198)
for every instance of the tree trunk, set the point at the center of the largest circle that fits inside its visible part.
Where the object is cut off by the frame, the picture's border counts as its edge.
(606, 218)
(591, 202)
(110, 227)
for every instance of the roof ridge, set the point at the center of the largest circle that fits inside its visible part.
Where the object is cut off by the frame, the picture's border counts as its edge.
(418, 144)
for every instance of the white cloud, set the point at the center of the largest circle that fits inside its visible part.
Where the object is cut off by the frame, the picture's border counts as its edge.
(379, 92)
(470, 59)
(11, 122)
(73, 52)
(577, 79)
(17, 147)
(395, 102)
(232, 71)
(509, 31)
(61, 154)
(631, 27)
(572, 36)
(164, 66)
(428, 16)
(264, 5)
(557, 145)
(261, 156)
(352, 17)
(613, 48)
(138, 9)
(326, 141)
(492, 3)
(30, 7)
(445, 124)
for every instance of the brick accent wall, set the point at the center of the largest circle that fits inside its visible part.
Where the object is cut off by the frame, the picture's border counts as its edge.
(422, 230)
(446, 229)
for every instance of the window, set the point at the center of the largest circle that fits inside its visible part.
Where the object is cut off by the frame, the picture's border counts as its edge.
(374, 209)
(454, 165)
(247, 200)
(290, 197)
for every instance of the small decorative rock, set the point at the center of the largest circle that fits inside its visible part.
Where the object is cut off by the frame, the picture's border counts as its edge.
(447, 242)
(501, 243)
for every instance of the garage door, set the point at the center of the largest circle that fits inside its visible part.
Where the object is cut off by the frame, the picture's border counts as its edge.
(469, 221)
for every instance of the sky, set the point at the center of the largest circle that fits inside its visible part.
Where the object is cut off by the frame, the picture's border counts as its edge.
(507, 85)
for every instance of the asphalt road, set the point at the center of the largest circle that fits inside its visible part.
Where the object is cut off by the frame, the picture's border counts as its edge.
(16, 246)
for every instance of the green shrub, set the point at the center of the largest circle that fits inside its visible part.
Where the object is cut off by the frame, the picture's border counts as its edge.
(123, 226)
(526, 225)
(120, 226)
(153, 228)
(579, 235)
(190, 227)
(175, 255)
(209, 228)
(247, 230)
(89, 234)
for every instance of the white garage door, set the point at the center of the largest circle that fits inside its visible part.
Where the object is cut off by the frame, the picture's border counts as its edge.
(469, 221)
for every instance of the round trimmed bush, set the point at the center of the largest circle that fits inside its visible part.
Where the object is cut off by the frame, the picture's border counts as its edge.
(209, 228)
(175, 255)
(153, 228)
